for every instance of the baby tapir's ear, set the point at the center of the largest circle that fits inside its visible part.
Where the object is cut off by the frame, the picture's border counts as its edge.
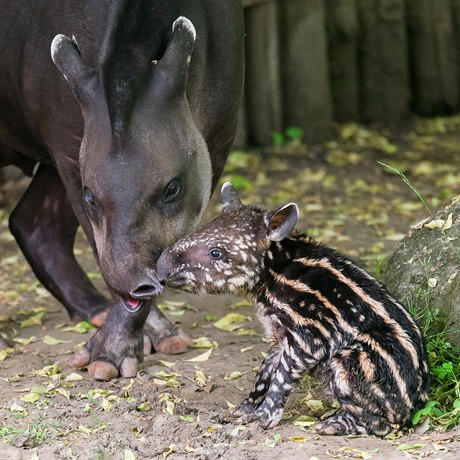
(230, 199)
(281, 222)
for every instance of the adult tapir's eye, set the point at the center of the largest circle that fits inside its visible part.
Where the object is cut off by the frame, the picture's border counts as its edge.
(89, 197)
(216, 254)
(172, 190)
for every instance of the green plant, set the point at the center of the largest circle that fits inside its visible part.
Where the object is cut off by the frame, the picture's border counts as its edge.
(33, 435)
(291, 136)
(443, 407)
(409, 184)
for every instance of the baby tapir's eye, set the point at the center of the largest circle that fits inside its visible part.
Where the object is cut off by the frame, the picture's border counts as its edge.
(216, 254)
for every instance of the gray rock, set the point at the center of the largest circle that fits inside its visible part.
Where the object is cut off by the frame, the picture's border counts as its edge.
(424, 269)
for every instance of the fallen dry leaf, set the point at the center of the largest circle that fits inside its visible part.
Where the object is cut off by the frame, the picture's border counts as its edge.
(200, 358)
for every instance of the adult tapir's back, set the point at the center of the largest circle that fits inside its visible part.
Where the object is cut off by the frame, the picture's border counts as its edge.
(39, 115)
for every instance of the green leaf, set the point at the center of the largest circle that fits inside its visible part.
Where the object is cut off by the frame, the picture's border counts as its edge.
(48, 340)
(144, 407)
(204, 342)
(234, 375)
(200, 378)
(47, 371)
(24, 341)
(200, 358)
(63, 392)
(106, 404)
(278, 139)
(274, 441)
(294, 133)
(82, 327)
(35, 320)
(94, 275)
(30, 398)
(405, 447)
(231, 322)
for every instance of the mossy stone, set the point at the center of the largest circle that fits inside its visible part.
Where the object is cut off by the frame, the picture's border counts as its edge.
(424, 268)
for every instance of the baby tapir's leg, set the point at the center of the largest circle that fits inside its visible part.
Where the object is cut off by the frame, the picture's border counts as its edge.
(291, 367)
(360, 384)
(262, 383)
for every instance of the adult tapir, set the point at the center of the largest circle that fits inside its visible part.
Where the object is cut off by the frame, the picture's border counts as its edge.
(126, 132)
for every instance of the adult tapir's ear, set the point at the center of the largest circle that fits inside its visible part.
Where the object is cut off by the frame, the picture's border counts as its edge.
(281, 222)
(67, 58)
(173, 66)
(230, 199)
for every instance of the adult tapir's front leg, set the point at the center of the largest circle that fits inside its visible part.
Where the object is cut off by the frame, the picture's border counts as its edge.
(44, 225)
(117, 347)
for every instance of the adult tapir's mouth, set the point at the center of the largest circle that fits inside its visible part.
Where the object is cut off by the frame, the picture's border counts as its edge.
(132, 305)
(146, 290)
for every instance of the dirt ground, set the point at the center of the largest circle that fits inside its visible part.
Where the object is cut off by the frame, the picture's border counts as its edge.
(177, 407)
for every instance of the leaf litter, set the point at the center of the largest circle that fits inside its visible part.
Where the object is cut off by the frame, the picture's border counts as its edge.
(346, 199)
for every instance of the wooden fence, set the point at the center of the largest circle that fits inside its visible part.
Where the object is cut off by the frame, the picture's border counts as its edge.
(312, 62)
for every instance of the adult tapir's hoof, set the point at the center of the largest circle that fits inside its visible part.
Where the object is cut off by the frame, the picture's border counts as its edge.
(171, 345)
(117, 346)
(103, 370)
(162, 336)
(99, 319)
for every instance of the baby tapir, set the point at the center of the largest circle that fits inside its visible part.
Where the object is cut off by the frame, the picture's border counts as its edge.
(323, 314)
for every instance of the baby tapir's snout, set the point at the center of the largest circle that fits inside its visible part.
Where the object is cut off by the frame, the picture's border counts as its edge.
(166, 264)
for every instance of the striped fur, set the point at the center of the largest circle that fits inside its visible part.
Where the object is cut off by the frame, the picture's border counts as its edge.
(323, 314)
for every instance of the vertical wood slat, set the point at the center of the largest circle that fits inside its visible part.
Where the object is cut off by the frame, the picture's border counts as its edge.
(241, 137)
(455, 5)
(263, 87)
(306, 92)
(385, 87)
(347, 60)
(433, 56)
(343, 40)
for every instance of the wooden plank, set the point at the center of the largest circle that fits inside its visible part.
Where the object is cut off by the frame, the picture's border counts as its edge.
(263, 91)
(306, 91)
(241, 137)
(248, 3)
(385, 82)
(343, 41)
(434, 63)
(456, 21)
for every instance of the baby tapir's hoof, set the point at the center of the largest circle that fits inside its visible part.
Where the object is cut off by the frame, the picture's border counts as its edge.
(245, 408)
(345, 423)
(265, 415)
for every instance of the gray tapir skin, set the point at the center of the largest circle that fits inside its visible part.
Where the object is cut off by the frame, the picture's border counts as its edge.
(125, 110)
